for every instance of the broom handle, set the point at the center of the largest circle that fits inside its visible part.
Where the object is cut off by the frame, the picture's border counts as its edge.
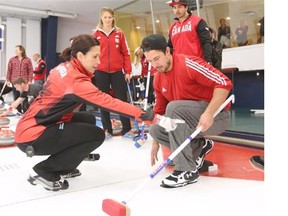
(132, 103)
(180, 148)
(146, 97)
(147, 86)
(4, 86)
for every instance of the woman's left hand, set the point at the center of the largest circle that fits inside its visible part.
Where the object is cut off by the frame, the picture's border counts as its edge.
(127, 78)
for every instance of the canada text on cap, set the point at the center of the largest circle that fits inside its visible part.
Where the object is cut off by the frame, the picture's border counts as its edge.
(174, 2)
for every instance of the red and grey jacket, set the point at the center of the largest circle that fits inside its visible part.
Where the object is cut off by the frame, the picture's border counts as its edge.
(40, 70)
(68, 86)
(115, 53)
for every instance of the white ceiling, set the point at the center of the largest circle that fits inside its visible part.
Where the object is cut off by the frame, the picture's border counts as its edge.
(87, 10)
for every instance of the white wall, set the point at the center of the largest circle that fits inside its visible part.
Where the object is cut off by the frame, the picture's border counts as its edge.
(28, 34)
(13, 37)
(245, 58)
(19, 32)
(33, 42)
(67, 29)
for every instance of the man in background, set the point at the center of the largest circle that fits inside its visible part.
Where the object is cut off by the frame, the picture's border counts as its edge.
(19, 66)
(39, 72)
(28, 92)
(189, 34)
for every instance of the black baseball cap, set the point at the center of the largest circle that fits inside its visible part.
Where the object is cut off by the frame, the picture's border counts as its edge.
(174, 2)
(154, 42)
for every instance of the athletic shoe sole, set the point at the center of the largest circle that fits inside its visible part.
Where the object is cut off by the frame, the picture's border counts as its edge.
(39, 180)
(73, 174)
(179, 185)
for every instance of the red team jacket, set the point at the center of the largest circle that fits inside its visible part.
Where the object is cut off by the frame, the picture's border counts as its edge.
(67, 87)
(184, 37)
(191, 78)
(37, 75)
(115, 54)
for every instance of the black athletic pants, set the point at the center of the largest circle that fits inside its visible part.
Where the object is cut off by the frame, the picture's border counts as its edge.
(151, 96)
(67, 144)
(116, 81)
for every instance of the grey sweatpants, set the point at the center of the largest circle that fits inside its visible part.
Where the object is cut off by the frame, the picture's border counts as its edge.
(190, 111)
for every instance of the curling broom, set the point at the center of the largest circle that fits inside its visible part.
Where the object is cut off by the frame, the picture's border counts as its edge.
(140, 140)
(114, 208)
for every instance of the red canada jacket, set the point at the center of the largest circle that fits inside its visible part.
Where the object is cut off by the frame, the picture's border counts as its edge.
(190, 78)
(67, 87)
(115, 53)
(184, 37)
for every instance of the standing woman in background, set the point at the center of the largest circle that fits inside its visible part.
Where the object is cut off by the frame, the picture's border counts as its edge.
(136, 73)
(224, 34)
(114, 69)
(19, 66)
(241, 33)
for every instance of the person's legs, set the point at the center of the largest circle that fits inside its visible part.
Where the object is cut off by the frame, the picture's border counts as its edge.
(119, 86)
(151, 97)
(133, 89)
(187, 161)
(16, 94)
(190, 111)
(67, 144)
(102, 82)
(225, 41)
(159, 134)
(25, 105)
(84, 117)
(39, 82)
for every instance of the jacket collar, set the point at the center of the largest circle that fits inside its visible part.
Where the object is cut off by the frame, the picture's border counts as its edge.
(79, 67)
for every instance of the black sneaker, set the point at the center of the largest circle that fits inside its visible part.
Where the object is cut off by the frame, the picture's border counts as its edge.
(180, 179)
(257, 162)
(207, 147)
(92, 157)
(49, 185)
(72, 174)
